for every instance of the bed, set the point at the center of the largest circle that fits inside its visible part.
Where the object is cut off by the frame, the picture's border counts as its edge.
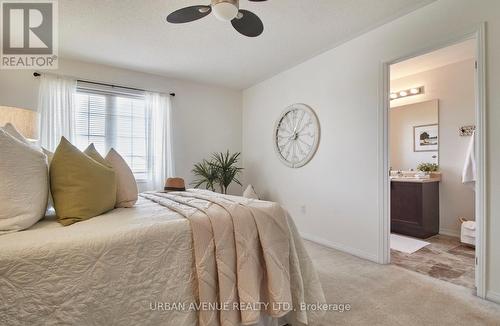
(130, 266)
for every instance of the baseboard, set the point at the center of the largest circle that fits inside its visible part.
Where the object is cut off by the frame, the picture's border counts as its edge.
(493, 296)
(450, 232)
(343, 248)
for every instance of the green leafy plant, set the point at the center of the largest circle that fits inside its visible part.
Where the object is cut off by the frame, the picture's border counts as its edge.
(221, 170)
(428, 167)
(206, 174)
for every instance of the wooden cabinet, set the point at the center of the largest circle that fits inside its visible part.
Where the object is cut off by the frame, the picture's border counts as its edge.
(415, 208)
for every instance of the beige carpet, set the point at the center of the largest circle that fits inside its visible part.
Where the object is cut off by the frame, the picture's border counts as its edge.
(391, 295)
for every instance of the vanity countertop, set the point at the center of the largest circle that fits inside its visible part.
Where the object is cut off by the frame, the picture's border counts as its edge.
(416, 180)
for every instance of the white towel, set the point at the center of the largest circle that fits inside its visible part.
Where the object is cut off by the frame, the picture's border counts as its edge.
(469, 172)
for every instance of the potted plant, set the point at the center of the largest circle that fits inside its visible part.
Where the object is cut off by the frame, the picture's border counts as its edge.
(428, 168)
(220, 170)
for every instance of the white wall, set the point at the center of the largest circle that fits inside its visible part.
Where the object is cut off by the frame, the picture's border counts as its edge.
(453, 86)
(402, 119)
(339, 187)
(206, 118)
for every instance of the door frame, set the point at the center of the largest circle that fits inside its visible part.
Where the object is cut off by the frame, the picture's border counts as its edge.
(477, 33)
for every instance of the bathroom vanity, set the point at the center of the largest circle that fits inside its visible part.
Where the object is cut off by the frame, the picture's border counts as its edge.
(415, 206)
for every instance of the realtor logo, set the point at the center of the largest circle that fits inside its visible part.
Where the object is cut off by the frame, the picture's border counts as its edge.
(29, 34)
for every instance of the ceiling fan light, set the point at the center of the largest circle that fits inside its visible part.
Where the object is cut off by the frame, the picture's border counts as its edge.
(225, 11)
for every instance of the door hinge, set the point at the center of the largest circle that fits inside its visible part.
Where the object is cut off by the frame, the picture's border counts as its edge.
(475, 64)
(476, 260)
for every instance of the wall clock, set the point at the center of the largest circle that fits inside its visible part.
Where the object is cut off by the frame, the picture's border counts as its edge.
(296, 135)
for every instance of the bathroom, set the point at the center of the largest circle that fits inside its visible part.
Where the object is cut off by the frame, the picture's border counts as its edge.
(431, 141)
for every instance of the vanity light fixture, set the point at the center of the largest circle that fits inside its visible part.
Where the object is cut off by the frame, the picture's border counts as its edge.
(407, 92)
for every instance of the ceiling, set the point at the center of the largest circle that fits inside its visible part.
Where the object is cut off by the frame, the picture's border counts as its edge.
(439, 58)
(132, 34)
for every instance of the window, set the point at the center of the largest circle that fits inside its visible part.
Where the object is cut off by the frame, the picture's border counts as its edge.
(112, 118)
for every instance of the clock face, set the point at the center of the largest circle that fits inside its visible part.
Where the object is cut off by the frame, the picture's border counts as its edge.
(296, 135)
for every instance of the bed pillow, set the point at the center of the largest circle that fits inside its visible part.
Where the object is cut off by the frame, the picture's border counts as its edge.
(126, 186)
(81, 187)
(94, 154)
(11, 130)
(250, 193)
(50, 203)
(23, 184)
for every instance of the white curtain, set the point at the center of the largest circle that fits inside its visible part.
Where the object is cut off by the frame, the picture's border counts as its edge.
(159, 114)
(55, 106)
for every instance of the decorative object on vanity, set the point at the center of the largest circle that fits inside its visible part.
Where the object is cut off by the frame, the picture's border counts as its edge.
(428, 167)
(466, 130)
(23, 120)
(407, 92)
(296, 135)
(175, 184)
(426, 138)
(245, 22)
(220, 170)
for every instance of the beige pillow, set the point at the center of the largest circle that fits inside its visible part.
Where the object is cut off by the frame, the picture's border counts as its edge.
(126, 188)
(250, 193)
(81, 187)
(94, 154)
(23, 184)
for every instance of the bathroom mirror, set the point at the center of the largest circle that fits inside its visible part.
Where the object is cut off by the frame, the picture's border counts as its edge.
(414, 134)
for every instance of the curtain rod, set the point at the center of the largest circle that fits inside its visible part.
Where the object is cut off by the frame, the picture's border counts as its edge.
(37, 74)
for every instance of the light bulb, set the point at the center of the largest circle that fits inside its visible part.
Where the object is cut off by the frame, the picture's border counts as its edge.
(403, 93)
(414, 91)
(225, 11)
(394, 96)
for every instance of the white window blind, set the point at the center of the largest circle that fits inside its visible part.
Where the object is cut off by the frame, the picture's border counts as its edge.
(113, 118)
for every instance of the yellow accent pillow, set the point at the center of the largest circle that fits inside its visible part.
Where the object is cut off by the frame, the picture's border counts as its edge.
(81, 187)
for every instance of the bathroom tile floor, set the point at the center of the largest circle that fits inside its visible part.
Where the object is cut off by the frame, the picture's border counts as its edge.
(445, 259)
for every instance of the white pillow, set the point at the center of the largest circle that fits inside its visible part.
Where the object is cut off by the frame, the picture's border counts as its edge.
(126, 186)
(24, 184)
(250, 193)
(11, 130)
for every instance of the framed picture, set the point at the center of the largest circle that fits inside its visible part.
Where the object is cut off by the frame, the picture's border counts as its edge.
(426, 138)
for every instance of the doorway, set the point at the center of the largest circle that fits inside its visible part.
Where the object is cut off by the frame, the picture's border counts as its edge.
(431, 223)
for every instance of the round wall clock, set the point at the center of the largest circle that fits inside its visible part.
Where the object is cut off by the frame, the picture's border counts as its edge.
(296, 135)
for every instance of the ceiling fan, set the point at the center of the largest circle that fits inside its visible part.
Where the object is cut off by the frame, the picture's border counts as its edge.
(244, 21)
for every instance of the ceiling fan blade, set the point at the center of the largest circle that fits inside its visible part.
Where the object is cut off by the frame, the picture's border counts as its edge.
(248, 23)
(188, 14)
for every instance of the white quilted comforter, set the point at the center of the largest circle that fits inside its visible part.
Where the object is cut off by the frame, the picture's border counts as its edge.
(131, 266)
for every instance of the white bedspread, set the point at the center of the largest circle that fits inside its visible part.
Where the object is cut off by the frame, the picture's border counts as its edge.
(121, 268)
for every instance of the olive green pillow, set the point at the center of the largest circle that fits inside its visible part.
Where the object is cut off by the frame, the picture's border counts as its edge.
(81, 187)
